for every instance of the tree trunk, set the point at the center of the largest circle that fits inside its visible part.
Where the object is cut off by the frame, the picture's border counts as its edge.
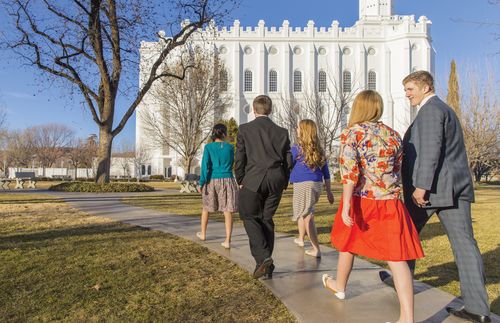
(104, 155)
(187, 168)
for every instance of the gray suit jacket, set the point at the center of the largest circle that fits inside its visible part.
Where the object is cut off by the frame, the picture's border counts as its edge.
(434, 156)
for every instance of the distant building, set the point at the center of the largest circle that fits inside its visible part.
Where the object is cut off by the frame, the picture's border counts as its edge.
(376, 53)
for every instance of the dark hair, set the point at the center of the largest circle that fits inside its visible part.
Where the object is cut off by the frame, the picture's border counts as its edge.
(263, 105)
(219, 131)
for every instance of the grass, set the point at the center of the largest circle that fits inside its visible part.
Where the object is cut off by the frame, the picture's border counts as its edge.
(61, 264)
(437, 268)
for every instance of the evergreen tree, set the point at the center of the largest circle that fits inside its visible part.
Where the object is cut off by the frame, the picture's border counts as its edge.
(453, 97)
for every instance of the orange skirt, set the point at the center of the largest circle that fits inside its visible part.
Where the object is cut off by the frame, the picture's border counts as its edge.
(382, 230)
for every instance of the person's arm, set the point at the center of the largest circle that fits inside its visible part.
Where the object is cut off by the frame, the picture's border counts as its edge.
(349, 171)
(240, 159)
(288, 157)
(428, 129)
(328, 183)
(206, 166)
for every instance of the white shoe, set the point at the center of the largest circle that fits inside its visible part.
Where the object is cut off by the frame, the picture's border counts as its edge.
(339, 295)
(198, 234)
(312, 253)
(226, 245)
(300, 243)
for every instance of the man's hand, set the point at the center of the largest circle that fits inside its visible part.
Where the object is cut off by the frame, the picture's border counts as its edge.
(240, 186)
(329, 195)
(419, 197)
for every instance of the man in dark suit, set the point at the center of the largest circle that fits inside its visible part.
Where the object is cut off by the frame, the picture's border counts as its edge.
(436, 179)
(262, 167)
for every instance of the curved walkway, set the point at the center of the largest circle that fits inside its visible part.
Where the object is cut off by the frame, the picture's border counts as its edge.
(297, 278)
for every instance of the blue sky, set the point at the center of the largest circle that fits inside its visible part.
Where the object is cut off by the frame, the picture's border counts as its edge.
(30, 102)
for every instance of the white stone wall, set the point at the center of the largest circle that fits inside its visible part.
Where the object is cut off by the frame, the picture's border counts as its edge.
(390, 45)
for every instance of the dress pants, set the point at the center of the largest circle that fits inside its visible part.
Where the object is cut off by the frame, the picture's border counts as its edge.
(457, 223)
(257, 210)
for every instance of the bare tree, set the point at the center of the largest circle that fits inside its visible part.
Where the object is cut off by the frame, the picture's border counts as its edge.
(77, 154)
(50, 143)
(188, 108)
(90, 45)
(140, 158)
(481, 123)
(124, 157)
(20, 150)
(328, 107)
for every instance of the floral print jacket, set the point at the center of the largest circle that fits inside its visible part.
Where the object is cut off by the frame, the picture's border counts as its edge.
(370, 158)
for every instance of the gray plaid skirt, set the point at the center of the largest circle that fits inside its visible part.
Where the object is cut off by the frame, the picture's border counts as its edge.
(220, 194)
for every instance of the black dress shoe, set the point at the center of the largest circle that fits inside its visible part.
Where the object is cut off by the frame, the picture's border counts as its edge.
(386, 278)
(269, 272)
(261, 269)
(463, 314)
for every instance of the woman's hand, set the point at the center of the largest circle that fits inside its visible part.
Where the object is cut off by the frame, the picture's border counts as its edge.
(346, 216)
(330, 197)
(198, 188)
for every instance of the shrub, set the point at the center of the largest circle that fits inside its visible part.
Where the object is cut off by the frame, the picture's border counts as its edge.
(98, 188)
(157, 177)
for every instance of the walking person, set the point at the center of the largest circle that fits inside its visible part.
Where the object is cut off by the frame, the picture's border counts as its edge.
(217, 186)
(371, 220)
(436, 179)
(263, 161)
(310, 169)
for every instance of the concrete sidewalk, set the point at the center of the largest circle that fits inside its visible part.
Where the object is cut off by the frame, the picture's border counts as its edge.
(297, 278)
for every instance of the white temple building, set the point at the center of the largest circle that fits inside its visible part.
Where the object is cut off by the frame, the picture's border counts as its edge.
(376, 53)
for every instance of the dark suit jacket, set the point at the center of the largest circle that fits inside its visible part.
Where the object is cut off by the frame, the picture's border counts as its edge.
(434, 156)
(263, 149)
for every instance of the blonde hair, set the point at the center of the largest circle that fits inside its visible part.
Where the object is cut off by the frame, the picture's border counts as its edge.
(309, 145)
(420, 78)
(368, 106)
(263, 105)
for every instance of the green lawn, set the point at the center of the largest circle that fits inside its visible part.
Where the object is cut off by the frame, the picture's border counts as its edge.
(57, 263)
(437, 268)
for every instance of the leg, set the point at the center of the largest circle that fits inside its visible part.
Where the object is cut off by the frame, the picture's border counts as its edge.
(403, 282)
(302, 229)
(258, 240)
(228, 219)
(457, 223)
(204, 223)
(311, 232)
(270, 205)
(419, 217)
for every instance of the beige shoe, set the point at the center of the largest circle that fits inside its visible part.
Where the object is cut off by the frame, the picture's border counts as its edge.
(339, 295)
(198, 234)
(226, 245)
(312, 253)
(300, 243)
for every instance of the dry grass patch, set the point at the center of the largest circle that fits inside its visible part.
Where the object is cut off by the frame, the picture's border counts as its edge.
(437, 268)
(61, 264)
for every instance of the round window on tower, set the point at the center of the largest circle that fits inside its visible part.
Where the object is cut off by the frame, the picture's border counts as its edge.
(322, 51)
(346, 51)
(273, 50)
(223, 50)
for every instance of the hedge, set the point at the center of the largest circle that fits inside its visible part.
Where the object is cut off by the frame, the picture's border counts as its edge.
(100, 188)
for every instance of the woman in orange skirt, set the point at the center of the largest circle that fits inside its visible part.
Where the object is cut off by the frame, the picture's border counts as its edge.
(371, 220)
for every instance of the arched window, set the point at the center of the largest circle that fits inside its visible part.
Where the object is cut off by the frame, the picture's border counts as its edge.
(372, 80)
(297, 81)
(149, 169)
(248, 81)
(322, 81)
(273, 81)
(346, 81)
(223, 82)
(143, 170)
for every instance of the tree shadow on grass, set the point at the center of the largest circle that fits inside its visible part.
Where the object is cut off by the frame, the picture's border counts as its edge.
(31, 201)
(42, 238)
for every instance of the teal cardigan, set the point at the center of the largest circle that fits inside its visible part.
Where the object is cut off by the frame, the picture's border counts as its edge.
(217, 162)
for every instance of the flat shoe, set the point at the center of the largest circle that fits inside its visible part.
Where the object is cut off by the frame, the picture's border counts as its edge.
(198, 234)
(225, 245)
(310, 252)
(339, 295)
(300, 243)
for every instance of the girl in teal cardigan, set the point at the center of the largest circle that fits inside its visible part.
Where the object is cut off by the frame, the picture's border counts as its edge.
(217, 185)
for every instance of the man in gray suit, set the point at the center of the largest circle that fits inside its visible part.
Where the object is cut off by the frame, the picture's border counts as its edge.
(436, 179)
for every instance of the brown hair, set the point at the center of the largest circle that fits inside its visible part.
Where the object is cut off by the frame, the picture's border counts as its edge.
(263, 105)
(368, 106)
(420, 78)
(309, 146)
